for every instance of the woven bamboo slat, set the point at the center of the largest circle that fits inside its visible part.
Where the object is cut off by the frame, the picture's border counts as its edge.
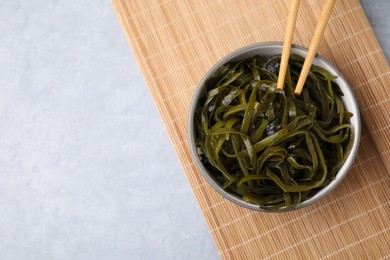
(175, 42)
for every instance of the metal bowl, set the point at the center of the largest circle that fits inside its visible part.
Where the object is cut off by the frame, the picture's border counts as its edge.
(268, 49)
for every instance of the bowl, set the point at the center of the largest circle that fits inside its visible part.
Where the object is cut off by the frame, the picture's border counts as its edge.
(268, 49)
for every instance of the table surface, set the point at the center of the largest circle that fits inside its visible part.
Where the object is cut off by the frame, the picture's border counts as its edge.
(85, 158)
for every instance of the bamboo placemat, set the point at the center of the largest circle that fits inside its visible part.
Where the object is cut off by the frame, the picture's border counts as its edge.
(176, 41)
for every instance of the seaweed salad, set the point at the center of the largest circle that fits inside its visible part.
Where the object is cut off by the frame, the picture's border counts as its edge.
(269, 147)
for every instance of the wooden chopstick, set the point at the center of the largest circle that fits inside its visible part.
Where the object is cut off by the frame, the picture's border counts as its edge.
(315, 41)
(292, 17)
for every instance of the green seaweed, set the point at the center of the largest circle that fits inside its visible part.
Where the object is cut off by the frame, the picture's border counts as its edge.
(271, 147)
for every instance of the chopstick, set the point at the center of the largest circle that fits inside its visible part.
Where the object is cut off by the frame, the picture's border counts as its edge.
(315, 41)
(288, 35)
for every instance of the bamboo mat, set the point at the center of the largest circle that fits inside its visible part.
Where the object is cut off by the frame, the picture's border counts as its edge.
(176, 41)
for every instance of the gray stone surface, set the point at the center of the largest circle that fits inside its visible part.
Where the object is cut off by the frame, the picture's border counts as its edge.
(85, 160)
(378, 13)
(87, 170)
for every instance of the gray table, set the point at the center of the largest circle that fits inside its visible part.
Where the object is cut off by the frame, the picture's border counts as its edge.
(84, 156)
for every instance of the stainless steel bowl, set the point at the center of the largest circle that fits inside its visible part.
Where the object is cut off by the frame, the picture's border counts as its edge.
(268, 49)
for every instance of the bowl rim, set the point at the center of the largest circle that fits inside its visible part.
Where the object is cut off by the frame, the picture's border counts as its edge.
(236, 199)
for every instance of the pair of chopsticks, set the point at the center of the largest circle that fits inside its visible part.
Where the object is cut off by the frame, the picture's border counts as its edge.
(292, 17)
